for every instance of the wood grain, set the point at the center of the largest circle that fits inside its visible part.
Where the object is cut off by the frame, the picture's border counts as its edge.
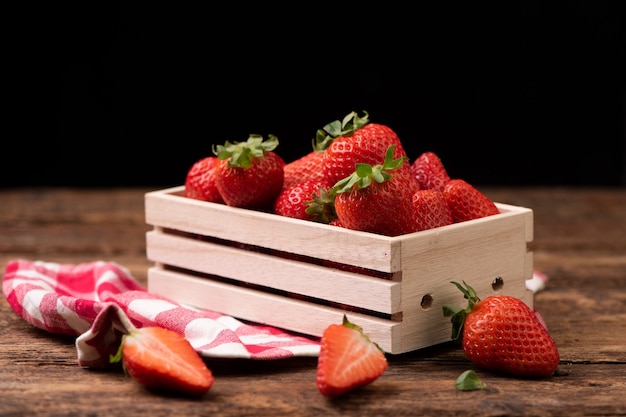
(579, 242)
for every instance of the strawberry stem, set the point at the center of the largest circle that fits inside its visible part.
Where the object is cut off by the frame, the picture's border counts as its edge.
(322, 206)
(242, 153)
(364, 173)
(457, 315)
(350, 123)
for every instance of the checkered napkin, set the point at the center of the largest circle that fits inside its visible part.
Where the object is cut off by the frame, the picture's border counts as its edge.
(100, 301)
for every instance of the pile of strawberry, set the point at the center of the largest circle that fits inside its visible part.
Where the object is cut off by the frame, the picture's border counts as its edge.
(357, 176)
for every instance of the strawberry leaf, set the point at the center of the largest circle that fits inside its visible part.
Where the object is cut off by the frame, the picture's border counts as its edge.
(364, 173)
(457, 315)
(469, 381)
(350, 123)
(242, 153)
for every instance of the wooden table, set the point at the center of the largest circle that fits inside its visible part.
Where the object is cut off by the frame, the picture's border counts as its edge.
(580, 243)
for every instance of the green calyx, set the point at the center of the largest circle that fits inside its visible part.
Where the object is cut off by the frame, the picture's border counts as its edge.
(364, 174)
(322, 207)
(242, 153)
(350, 123)
(457, 315)
(347, 323)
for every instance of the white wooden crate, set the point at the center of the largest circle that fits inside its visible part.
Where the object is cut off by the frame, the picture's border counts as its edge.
(294, 274)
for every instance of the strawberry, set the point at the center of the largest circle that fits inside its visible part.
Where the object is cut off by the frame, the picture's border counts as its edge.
(200, 183)
(348, 359)
(502, 334)
(430, 172)
(250, 174)
(163, 360)
(430, 209)
(355, 140)
(467, 202)
(378, 199)
(307, 167)
(295, 201)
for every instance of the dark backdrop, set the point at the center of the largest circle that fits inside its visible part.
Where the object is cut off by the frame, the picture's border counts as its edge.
(132, 93)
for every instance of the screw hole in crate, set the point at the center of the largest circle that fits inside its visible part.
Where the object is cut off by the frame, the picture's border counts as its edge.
(497, 284)
(427, 302)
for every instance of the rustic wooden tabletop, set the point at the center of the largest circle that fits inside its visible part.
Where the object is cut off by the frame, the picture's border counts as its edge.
(579, 242)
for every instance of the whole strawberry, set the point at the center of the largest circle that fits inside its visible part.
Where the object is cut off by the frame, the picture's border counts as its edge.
(307, 167)
(378, 198)
(502, 334)
(430, 209)
(466, 202)
(200, 183)
(355, 140)
(308, 200)
(250, 174)
(348, 359)
(430, 172)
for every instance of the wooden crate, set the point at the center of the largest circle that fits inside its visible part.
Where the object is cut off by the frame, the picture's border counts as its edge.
(296, 274)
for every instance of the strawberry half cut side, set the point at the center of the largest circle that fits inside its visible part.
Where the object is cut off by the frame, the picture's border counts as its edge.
(348, 359)
(163, 360)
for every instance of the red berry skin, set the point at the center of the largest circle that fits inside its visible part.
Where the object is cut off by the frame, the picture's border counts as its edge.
(254, 187)
(502, 334)
(466, 202)
(200, 183)
(430, 209)
(384, 208)
(430, 172)
(366, 145)
(292, 201)
(307, 167)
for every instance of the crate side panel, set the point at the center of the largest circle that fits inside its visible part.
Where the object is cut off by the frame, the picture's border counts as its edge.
(167, 209)
(271, 271)
(286, 313)
(479, 254)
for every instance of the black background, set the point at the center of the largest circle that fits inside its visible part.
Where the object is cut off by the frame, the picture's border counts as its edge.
(106, 94)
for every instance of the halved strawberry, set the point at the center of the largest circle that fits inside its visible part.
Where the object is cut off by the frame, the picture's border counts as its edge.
(348, 359)
(163, 360)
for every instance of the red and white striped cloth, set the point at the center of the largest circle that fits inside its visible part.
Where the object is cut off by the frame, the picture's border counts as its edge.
(100, 301)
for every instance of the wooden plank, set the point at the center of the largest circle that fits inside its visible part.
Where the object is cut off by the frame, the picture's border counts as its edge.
(261, 307)
(274, 272)
(168, 209)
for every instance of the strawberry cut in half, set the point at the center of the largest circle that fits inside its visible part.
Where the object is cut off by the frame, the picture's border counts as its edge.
(348, 359)
(163, 360)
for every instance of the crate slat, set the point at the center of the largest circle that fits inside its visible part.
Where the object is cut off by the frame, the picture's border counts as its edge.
(248, 304)
(271, 271)
(165, 209)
